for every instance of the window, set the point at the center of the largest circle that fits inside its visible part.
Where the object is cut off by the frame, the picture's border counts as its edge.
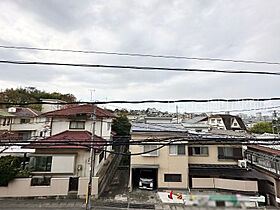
(219, 121)
(23, 121)
(147, 148)
(172, 178)
(41, 163)
(229, 153)
(177, 149)
(77, 125)
(41, 181)
(212, 120)
(108, 126)
(235, 124)
(198, 151)
(24, 135)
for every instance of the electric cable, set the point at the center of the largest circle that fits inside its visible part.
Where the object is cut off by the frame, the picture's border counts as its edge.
(142, 68)
(138, 55)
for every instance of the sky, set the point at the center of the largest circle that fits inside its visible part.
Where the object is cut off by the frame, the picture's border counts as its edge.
(243, 30)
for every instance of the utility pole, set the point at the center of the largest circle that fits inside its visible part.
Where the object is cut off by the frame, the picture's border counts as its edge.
(92, 161)
(177, 114)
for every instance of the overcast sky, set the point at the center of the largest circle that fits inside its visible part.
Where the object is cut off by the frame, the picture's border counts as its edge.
(247, 30)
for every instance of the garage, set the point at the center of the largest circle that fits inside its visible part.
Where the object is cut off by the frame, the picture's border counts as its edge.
(145, 176)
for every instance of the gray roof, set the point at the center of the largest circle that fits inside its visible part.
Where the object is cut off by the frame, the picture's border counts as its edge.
(194, 120)
(24, 112)
(3, 113)
(159, 127)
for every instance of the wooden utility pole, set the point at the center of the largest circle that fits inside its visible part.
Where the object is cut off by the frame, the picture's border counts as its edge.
(92, 161)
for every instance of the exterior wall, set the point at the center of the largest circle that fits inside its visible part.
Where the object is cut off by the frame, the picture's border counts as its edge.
(227, 184)
(22, 188)
(212, 158)
(101, 127)
(215, 124)
(168, 164)
(36, 125)
(81, 158)
(59, 187)
(83, 183)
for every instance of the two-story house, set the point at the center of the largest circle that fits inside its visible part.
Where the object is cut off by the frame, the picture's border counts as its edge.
(69, 158)
(26, 123)
(186, 164)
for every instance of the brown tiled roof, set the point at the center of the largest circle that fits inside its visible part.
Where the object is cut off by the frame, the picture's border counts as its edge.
(81, 109)
(67, 136)
(265, 149)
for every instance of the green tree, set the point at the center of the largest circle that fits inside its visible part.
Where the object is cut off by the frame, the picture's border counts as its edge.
(121, 126)
(31, 94)
(9, 168)
(263, 127)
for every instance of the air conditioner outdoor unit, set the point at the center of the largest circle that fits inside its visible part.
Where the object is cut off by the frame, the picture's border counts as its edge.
(12, 109)
(242, 163)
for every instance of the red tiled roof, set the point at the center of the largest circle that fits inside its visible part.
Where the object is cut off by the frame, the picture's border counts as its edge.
(81, 109)
(265, 149)
(67, 136)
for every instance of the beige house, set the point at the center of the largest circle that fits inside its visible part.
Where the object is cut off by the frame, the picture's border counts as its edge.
(182, 166)
(62, 160)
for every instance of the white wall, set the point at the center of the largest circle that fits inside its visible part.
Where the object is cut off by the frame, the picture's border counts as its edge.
(62, 124)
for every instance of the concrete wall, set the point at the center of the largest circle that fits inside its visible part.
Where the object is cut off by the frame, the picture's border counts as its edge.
(22, 188)
(83, 183)
(227, 184)
(212, 158)
(168, 164)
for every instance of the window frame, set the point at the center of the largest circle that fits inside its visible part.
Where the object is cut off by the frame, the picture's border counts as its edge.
(47, 164)
(150, 154)
(76, 122)
(236, 154)
(177, 149)
(46, 181)
(192, 153)
(172, 177)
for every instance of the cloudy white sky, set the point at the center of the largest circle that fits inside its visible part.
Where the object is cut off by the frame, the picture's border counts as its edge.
(248, 30)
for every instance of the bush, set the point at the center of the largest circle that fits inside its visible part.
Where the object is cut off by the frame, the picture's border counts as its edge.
(9, 168)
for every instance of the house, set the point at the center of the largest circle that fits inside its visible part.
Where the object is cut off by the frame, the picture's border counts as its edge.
(25, 122)
(60, 163)
(186, 164)
(47, 107)
(226, 122)
(266, 160)
(158, 165)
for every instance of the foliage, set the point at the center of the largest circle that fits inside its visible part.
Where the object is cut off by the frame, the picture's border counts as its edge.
(31, 94)
(121, 126)
(263, 127)
(24, 173)
(9, 168)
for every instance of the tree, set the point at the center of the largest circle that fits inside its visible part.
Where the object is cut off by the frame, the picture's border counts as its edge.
(263, 127)
(31, 94)
(9, 168)
(121, 126)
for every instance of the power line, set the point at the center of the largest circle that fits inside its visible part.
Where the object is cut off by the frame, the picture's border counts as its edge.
(139, 55)
(148, 68)
(148, 101)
